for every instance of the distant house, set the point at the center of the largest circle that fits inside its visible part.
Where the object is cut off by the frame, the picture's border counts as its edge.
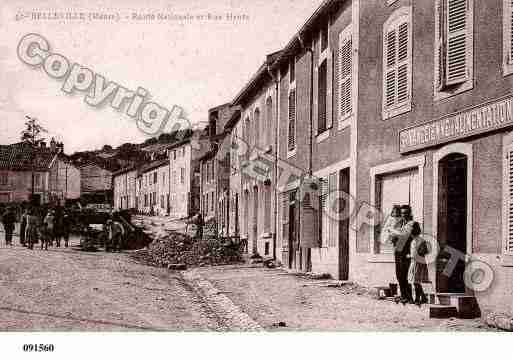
(55, 177)
(96, 183)
(152, 188)
(124, 191)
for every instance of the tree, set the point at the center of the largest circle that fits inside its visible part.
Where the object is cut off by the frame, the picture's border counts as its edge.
(32, 136)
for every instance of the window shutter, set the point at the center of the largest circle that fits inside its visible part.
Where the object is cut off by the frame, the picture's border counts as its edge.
(510, 30)
(345, 71)
(256, 119)
(292, 121)
(322, 96)
(509, 211)
(323, 213)
(456, 55)
(403, 65)
(390, 69)
(269, 129)
(440, 45)
(333, 203)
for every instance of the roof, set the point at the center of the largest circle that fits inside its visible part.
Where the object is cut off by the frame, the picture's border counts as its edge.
(152, 165)
(234, 119)
(18, 157)
(262, 74)
(156, 147)
(294, 43)
(125, 170)
(209, 155)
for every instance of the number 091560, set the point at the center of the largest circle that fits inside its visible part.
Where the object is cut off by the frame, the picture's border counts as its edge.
(38, 347)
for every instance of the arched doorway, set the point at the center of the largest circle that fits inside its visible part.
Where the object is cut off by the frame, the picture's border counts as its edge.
(452, 215)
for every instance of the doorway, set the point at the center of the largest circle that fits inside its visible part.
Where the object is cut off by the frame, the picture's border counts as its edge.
(453, 218)
(255, 221)
(344, 211)
(292, 230)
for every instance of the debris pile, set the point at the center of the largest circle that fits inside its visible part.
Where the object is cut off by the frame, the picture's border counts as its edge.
(175, 250)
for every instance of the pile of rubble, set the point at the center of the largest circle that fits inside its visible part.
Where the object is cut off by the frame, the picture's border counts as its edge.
(176, 250)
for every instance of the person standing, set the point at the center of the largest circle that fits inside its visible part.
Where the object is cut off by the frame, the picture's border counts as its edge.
(66, 228)
(8, 220)
(58, 227)
(116, 232)
(31, 230)
(402, 238)
(50, 223)
(23, 227)
(418, 271)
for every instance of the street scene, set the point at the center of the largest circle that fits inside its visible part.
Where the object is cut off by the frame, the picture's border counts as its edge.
(261, 166)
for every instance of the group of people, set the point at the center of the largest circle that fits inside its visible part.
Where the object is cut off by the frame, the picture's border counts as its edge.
(35, 226)
(410, 250)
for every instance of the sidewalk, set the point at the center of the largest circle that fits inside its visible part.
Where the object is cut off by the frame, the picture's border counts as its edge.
(270, 296)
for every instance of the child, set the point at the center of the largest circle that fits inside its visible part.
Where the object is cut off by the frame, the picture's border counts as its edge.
(45, 236)
(418, 272)
(393, 222)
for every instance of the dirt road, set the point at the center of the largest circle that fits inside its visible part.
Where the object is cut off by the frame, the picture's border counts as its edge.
(65, 289)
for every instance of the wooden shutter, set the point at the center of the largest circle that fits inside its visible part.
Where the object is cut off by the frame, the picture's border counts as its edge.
(292, 121)
(285, 219)
(509, 30)
(508, 245)
(256, 119)
(269, 120)
(333, 203)
(390, 68)
(323, 209)
(403, 63)
(440, 45)
(456, 55)
(345, 74)
(322, 96)
(397, 64)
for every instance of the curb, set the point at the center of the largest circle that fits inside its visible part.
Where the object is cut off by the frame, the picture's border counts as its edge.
(235, 318)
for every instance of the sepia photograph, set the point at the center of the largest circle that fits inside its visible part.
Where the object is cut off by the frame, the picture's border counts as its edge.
(317, 171)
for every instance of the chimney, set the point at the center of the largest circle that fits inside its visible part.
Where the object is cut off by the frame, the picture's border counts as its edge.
(60, 146)
(53, 144)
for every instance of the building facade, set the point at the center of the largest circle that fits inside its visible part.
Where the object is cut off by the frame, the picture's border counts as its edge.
(124, 188)
(55, 178)
(438, 136)
(254, 147)
(152, 188)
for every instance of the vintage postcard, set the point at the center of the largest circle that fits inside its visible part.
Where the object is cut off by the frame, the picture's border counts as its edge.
(257, 166)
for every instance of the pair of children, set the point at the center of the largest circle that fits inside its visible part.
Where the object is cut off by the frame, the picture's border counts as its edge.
(411, 269)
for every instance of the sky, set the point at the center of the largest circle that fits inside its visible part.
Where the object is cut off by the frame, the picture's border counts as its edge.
(195, 64)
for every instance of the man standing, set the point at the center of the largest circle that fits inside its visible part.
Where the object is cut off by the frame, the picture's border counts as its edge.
(50, 223)
(116, 232)
(401, 238)
(8, 220)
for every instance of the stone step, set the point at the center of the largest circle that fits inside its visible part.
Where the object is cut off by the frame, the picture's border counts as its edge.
(466, 305)
(442, 311)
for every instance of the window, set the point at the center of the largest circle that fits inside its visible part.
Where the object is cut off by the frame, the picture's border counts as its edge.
(269, 118)
(174, 155)
(292, 121)
(155, 177)
(4, 197)
(324, 37)
(256, 121)
(398, 188)
(4, 178)
(345, 70)
(163, 178)
(508, 196)
(507, 36)
(182, 175)
(292, 70)
(397, 63)
(267, 209)
(212, 195)
(454, 49)
(322, 97)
